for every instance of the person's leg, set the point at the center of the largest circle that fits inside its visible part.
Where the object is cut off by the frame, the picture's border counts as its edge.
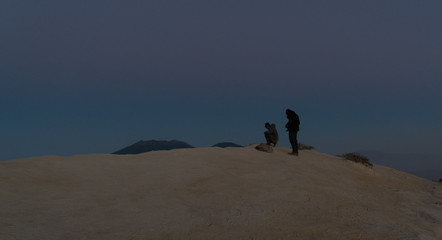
(291, 139)
(294, 142)
(267, 135)
(273, 140)
(295, 148)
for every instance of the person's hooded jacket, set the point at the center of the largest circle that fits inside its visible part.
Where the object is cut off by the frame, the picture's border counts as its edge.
(293, 123)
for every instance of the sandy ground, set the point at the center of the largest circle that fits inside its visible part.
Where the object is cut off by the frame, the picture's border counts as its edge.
(214, 193)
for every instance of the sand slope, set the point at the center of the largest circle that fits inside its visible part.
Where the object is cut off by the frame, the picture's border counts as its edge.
(214, 193)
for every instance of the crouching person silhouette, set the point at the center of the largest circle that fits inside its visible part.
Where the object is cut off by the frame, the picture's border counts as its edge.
(271, 134)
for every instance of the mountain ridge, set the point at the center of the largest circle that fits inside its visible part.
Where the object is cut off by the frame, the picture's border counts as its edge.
(226, 144)
(152, 145)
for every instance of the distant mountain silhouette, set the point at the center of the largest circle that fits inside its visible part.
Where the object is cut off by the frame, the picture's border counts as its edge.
(226, 144)
(152, 145)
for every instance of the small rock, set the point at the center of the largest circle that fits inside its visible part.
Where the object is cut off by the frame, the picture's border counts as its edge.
(265, 148)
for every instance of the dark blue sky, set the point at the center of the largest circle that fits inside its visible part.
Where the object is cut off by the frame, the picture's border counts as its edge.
(95, 76)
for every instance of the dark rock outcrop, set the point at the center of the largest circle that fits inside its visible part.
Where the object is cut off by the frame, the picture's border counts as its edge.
(264, 147)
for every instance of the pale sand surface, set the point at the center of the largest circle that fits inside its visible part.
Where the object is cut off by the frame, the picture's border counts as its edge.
(214, 193)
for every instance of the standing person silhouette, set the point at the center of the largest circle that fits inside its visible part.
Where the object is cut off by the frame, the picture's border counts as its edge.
(293, 128)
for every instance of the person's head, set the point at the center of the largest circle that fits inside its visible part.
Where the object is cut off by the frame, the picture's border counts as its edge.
(289, 112)
(267, 125)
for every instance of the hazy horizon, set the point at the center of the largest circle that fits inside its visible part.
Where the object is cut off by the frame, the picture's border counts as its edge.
(93, 77)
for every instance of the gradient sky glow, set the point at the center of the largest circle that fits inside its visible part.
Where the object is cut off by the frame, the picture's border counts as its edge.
(95, 76)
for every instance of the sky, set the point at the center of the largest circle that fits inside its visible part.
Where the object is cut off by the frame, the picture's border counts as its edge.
(94, 76)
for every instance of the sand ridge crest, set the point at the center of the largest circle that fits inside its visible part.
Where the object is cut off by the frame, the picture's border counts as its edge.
(214, 193)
